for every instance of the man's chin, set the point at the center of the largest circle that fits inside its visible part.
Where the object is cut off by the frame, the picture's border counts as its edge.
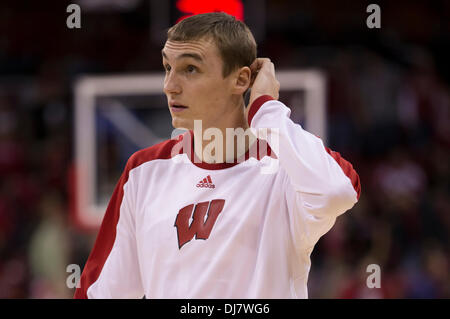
(182, 124)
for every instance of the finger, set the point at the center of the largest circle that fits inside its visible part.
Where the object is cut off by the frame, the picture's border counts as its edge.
(263, 62)
(259, 62)
(272, 68)
(254, 71)
(254, 68)
(257, 65)
(254, 65)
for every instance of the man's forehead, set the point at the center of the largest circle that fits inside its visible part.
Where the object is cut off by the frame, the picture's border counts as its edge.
(200, 47)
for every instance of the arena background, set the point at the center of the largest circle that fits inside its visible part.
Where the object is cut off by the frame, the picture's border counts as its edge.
(388, 113)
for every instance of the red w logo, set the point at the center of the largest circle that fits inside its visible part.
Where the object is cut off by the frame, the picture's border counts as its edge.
(198, 227)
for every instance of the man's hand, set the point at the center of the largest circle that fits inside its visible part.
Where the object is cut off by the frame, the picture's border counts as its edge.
(264, 81)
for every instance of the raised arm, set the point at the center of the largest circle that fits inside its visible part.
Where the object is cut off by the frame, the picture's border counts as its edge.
(320, 184)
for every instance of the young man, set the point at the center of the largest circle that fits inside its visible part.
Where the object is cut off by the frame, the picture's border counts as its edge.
(214, 225)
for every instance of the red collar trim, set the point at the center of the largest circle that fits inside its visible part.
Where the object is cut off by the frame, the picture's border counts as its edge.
(258, 150)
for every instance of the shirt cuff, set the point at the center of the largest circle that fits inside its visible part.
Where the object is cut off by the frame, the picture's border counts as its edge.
(256, 105)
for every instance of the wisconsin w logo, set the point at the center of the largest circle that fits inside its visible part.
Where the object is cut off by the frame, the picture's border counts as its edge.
(199, 227)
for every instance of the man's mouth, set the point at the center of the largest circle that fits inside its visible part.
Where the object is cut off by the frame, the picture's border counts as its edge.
(175, 107)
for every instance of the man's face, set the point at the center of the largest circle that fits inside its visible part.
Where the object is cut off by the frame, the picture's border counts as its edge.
(194, 80)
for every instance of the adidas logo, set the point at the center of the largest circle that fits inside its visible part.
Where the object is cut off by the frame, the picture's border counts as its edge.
(206, 183)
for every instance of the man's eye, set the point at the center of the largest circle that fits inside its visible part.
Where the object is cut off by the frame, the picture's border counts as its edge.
(167, 68)
(191, 69)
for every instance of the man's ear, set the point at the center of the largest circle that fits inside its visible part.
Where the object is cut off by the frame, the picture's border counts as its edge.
(242, 80)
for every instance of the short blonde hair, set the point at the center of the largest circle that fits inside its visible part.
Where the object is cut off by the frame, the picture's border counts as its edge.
(233, 38)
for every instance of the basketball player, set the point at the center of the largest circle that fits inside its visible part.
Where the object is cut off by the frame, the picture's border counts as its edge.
(193, 224)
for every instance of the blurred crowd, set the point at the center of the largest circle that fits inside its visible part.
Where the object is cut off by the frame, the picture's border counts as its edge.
(388, 109)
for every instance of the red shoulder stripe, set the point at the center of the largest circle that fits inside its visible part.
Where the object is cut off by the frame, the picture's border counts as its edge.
(347, 167)
(107, 233)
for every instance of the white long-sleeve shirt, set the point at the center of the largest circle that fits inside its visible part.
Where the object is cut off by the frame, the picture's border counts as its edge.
(175, 228)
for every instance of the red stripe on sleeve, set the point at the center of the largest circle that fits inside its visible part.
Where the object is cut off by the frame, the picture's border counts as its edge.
(347, 167)
(104, 242)
(107, 233)
(256, 105)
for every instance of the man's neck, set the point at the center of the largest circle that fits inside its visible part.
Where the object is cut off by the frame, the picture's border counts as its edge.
(223, 143)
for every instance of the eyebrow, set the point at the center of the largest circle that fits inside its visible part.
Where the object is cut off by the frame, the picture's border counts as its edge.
(194, 56)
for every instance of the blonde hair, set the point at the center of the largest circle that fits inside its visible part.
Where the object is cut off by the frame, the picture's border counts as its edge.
(233, 38)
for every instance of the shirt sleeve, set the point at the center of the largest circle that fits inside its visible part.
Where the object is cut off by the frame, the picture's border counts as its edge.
(112, 269)
(319, 186)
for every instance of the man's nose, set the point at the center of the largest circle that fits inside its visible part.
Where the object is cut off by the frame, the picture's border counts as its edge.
(171, 84)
